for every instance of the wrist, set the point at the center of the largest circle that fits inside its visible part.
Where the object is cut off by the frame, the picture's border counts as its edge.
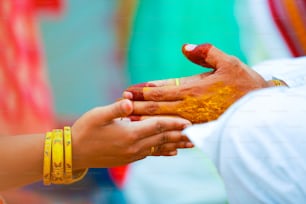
(77, 154)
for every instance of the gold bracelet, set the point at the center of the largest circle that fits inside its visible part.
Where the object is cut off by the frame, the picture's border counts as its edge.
(177, 81)
(79, 175)
(68, 154)
(277, 82)
(47, 159)
(57, 176)
(76, 175)
(58, 159)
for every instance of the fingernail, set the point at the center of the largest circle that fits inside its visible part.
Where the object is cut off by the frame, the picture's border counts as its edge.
(189, 145)
(126, 106)
(190, 47)
(127, 95)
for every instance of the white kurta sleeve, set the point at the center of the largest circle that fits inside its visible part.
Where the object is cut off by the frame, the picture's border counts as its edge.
(259, 146)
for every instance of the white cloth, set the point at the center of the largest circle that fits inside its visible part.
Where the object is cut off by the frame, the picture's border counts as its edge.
(260, 37)
(259, 144)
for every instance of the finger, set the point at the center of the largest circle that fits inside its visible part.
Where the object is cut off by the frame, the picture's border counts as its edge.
(145, 117)
(163, 142)
(164, 93)
(158, 125)
(156, 83)
(155, 108)
(169, 154)
(136, 91)
(127, 95)
(159, 83)
(170, 147)
(206, 55)
(167, 90)
(165, 82)
(102, 115)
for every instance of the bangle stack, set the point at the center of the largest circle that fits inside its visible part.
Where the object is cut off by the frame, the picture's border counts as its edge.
(57, 168)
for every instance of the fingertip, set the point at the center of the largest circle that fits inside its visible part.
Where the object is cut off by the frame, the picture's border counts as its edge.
(126, 106)
(137, 93)
(187, 124)
(197, 53)
(189, 145)
(127, 95)
(189, 47)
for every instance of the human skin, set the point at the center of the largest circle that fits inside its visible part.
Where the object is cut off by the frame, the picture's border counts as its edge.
(99, 140)
(199, 98)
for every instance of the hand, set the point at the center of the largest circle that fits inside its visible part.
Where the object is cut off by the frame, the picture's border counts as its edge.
(101, 140)
(198, 98)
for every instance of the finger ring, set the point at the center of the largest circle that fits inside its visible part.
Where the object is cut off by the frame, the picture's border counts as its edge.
(152, 150)
(177, 81)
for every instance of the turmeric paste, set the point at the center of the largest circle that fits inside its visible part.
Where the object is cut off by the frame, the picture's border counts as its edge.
(208, 106)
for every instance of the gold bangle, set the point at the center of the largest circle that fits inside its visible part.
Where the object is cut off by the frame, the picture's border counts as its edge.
(47, 159)
(177, 81)
(79, 175)
(68, 154)
(57, 176)
(57, 167)
(277, 82)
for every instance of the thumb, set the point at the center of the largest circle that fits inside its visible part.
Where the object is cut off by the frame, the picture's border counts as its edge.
(205, 55)
(118, 109)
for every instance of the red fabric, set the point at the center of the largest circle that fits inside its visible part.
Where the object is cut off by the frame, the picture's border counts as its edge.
(25, 96)
(54, 6)
(290, 19)
(118, 175)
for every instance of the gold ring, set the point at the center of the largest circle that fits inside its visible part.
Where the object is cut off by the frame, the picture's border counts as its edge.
(177, 81)
(152, 150)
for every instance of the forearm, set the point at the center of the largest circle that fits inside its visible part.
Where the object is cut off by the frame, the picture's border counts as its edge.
(21, 160)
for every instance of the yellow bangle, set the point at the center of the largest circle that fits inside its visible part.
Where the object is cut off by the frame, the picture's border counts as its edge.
(79, 175)
(47, 159)
(177, 81)
(68, 154)
(71, 176)
(277, 82)
(57, 167)
(57, 176)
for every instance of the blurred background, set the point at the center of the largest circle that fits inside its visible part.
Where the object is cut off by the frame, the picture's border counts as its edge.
(80, 51)
(60, 58)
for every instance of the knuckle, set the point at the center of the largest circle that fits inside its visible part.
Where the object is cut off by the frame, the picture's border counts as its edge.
(162, 148)
(159, 127)
(157, 94)
(233, 61)
(164, 138)
(192, 91)
(152, 107)
(158, 149)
